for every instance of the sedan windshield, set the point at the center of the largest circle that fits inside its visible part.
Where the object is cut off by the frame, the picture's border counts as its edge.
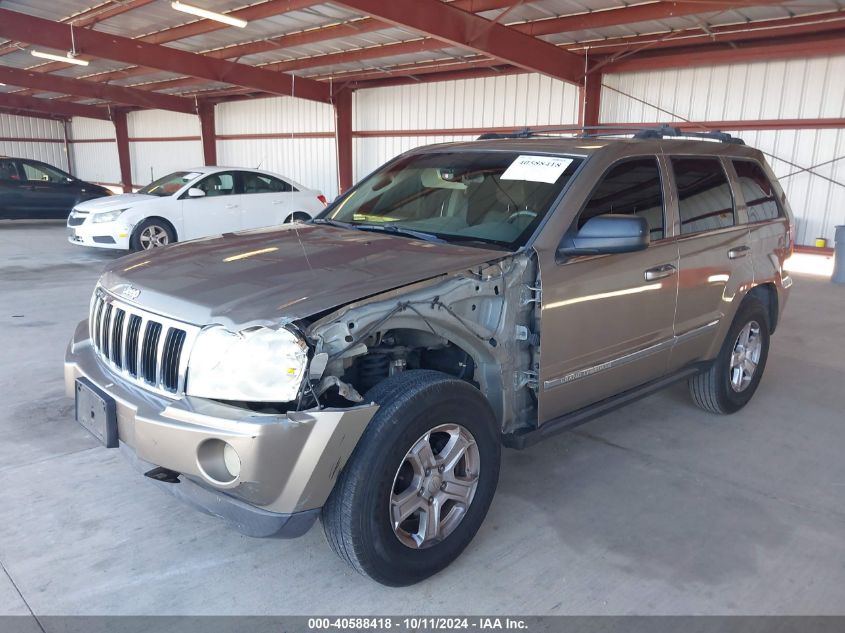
(487, 197)
(169, 184)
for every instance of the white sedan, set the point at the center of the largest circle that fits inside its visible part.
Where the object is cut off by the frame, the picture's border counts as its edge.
(190, 204)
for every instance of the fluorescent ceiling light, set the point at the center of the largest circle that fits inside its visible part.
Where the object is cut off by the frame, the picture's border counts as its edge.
(208, 15)
(59, 58)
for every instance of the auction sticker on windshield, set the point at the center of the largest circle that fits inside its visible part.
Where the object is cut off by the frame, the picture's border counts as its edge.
(536, 168)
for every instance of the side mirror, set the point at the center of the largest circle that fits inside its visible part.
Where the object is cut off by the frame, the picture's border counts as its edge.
(604, 234)
(194, 192)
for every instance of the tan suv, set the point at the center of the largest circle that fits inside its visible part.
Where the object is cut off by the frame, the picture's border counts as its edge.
(367, 366)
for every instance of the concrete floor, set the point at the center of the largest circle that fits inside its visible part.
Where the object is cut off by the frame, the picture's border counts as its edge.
(656, 509)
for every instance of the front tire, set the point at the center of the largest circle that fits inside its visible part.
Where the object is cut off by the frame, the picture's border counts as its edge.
(731, 380)
(419, 484)
(150, 234)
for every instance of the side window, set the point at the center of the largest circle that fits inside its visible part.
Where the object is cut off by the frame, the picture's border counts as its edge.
(222, 184)
(42, 173)
(8, 169)
(632, 187)
(705, 201)
(760, 197)
(261, 183)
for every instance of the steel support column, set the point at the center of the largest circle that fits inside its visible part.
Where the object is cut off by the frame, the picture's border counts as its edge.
(343, 127)
(209, 133)
(589, 97)
(121, 134)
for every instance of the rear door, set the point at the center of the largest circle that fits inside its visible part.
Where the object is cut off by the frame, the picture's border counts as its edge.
(767, 210)
(266, 201)
(218, 211)
(606, 320)
(715, 254)
(47, 192)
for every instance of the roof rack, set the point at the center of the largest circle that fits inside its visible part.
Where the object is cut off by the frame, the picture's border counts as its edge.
(595, 131)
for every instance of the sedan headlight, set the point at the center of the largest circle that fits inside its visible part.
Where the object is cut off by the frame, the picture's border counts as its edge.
(255, 365)
(108, 216)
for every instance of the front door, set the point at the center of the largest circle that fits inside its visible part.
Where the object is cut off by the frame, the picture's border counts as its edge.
(218, 211)
(607, 320)
(11, 189)
(47, 192)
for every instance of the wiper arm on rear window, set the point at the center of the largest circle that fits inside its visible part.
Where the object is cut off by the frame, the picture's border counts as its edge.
(397, 230)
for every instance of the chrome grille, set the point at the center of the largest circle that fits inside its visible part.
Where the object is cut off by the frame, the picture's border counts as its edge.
(146, 348)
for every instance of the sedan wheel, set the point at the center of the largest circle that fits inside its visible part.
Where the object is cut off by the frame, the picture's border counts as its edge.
(153, 236)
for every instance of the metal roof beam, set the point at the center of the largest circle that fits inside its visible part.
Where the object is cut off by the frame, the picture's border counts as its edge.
(55, 35)
(94, 90)
(89, 17)
(631, 15)
(467, 30)
(48, 106)
(819, 45)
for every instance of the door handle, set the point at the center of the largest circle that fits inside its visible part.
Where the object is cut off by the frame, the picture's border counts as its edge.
(660, 272)
(278, 201)
(231, 206)
(739, 251)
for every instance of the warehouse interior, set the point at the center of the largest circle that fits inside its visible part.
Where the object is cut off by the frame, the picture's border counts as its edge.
(656, 509)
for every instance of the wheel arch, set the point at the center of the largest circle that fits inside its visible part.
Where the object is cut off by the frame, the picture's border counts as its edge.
(768, 295)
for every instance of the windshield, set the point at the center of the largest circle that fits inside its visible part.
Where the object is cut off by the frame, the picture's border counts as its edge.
(170, 184)
(497, 198)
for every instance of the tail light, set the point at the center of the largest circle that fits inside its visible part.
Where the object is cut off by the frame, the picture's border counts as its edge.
(322, 199)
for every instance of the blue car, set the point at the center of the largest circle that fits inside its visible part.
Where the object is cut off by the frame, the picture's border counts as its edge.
(32, 190)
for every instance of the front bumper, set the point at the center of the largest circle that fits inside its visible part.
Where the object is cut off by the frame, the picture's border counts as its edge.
(113, 235)
(289, 463)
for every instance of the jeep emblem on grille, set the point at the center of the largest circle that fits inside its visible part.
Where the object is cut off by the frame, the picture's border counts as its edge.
(130, 292)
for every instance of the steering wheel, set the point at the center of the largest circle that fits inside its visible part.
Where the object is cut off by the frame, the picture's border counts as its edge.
(524, 212)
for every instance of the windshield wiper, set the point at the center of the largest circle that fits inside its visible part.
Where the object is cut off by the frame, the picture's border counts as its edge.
(471, 239)
(395, 230)
(343, 225)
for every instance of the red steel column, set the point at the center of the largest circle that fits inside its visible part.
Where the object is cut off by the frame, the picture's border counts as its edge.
(209, 133)
(343, 127)
(589, 98)
(121, 134)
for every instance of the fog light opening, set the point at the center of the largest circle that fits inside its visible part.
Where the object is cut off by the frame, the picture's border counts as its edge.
(218, 461)
(231, 460)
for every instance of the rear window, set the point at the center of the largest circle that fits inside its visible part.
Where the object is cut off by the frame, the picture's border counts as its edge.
(705, 201)
(757, 190)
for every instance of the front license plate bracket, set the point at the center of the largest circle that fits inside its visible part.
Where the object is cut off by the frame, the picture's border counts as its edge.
(96, 412)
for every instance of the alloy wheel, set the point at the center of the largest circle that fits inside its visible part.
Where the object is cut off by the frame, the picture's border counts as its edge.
(745, 356)
(153, 236)
(434, 486)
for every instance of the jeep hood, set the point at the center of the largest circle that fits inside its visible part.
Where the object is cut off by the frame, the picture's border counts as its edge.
(280, 274)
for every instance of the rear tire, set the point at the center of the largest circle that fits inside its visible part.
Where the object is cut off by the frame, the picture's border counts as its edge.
(297, 216)
(731, 380)
(151, 233)
(387, 495)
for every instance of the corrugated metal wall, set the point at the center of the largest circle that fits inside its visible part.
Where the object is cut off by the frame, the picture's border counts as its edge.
(161, 142)
(94, 150)
(290, 136)
(476, 104)
(40, 139)
(796, 89)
